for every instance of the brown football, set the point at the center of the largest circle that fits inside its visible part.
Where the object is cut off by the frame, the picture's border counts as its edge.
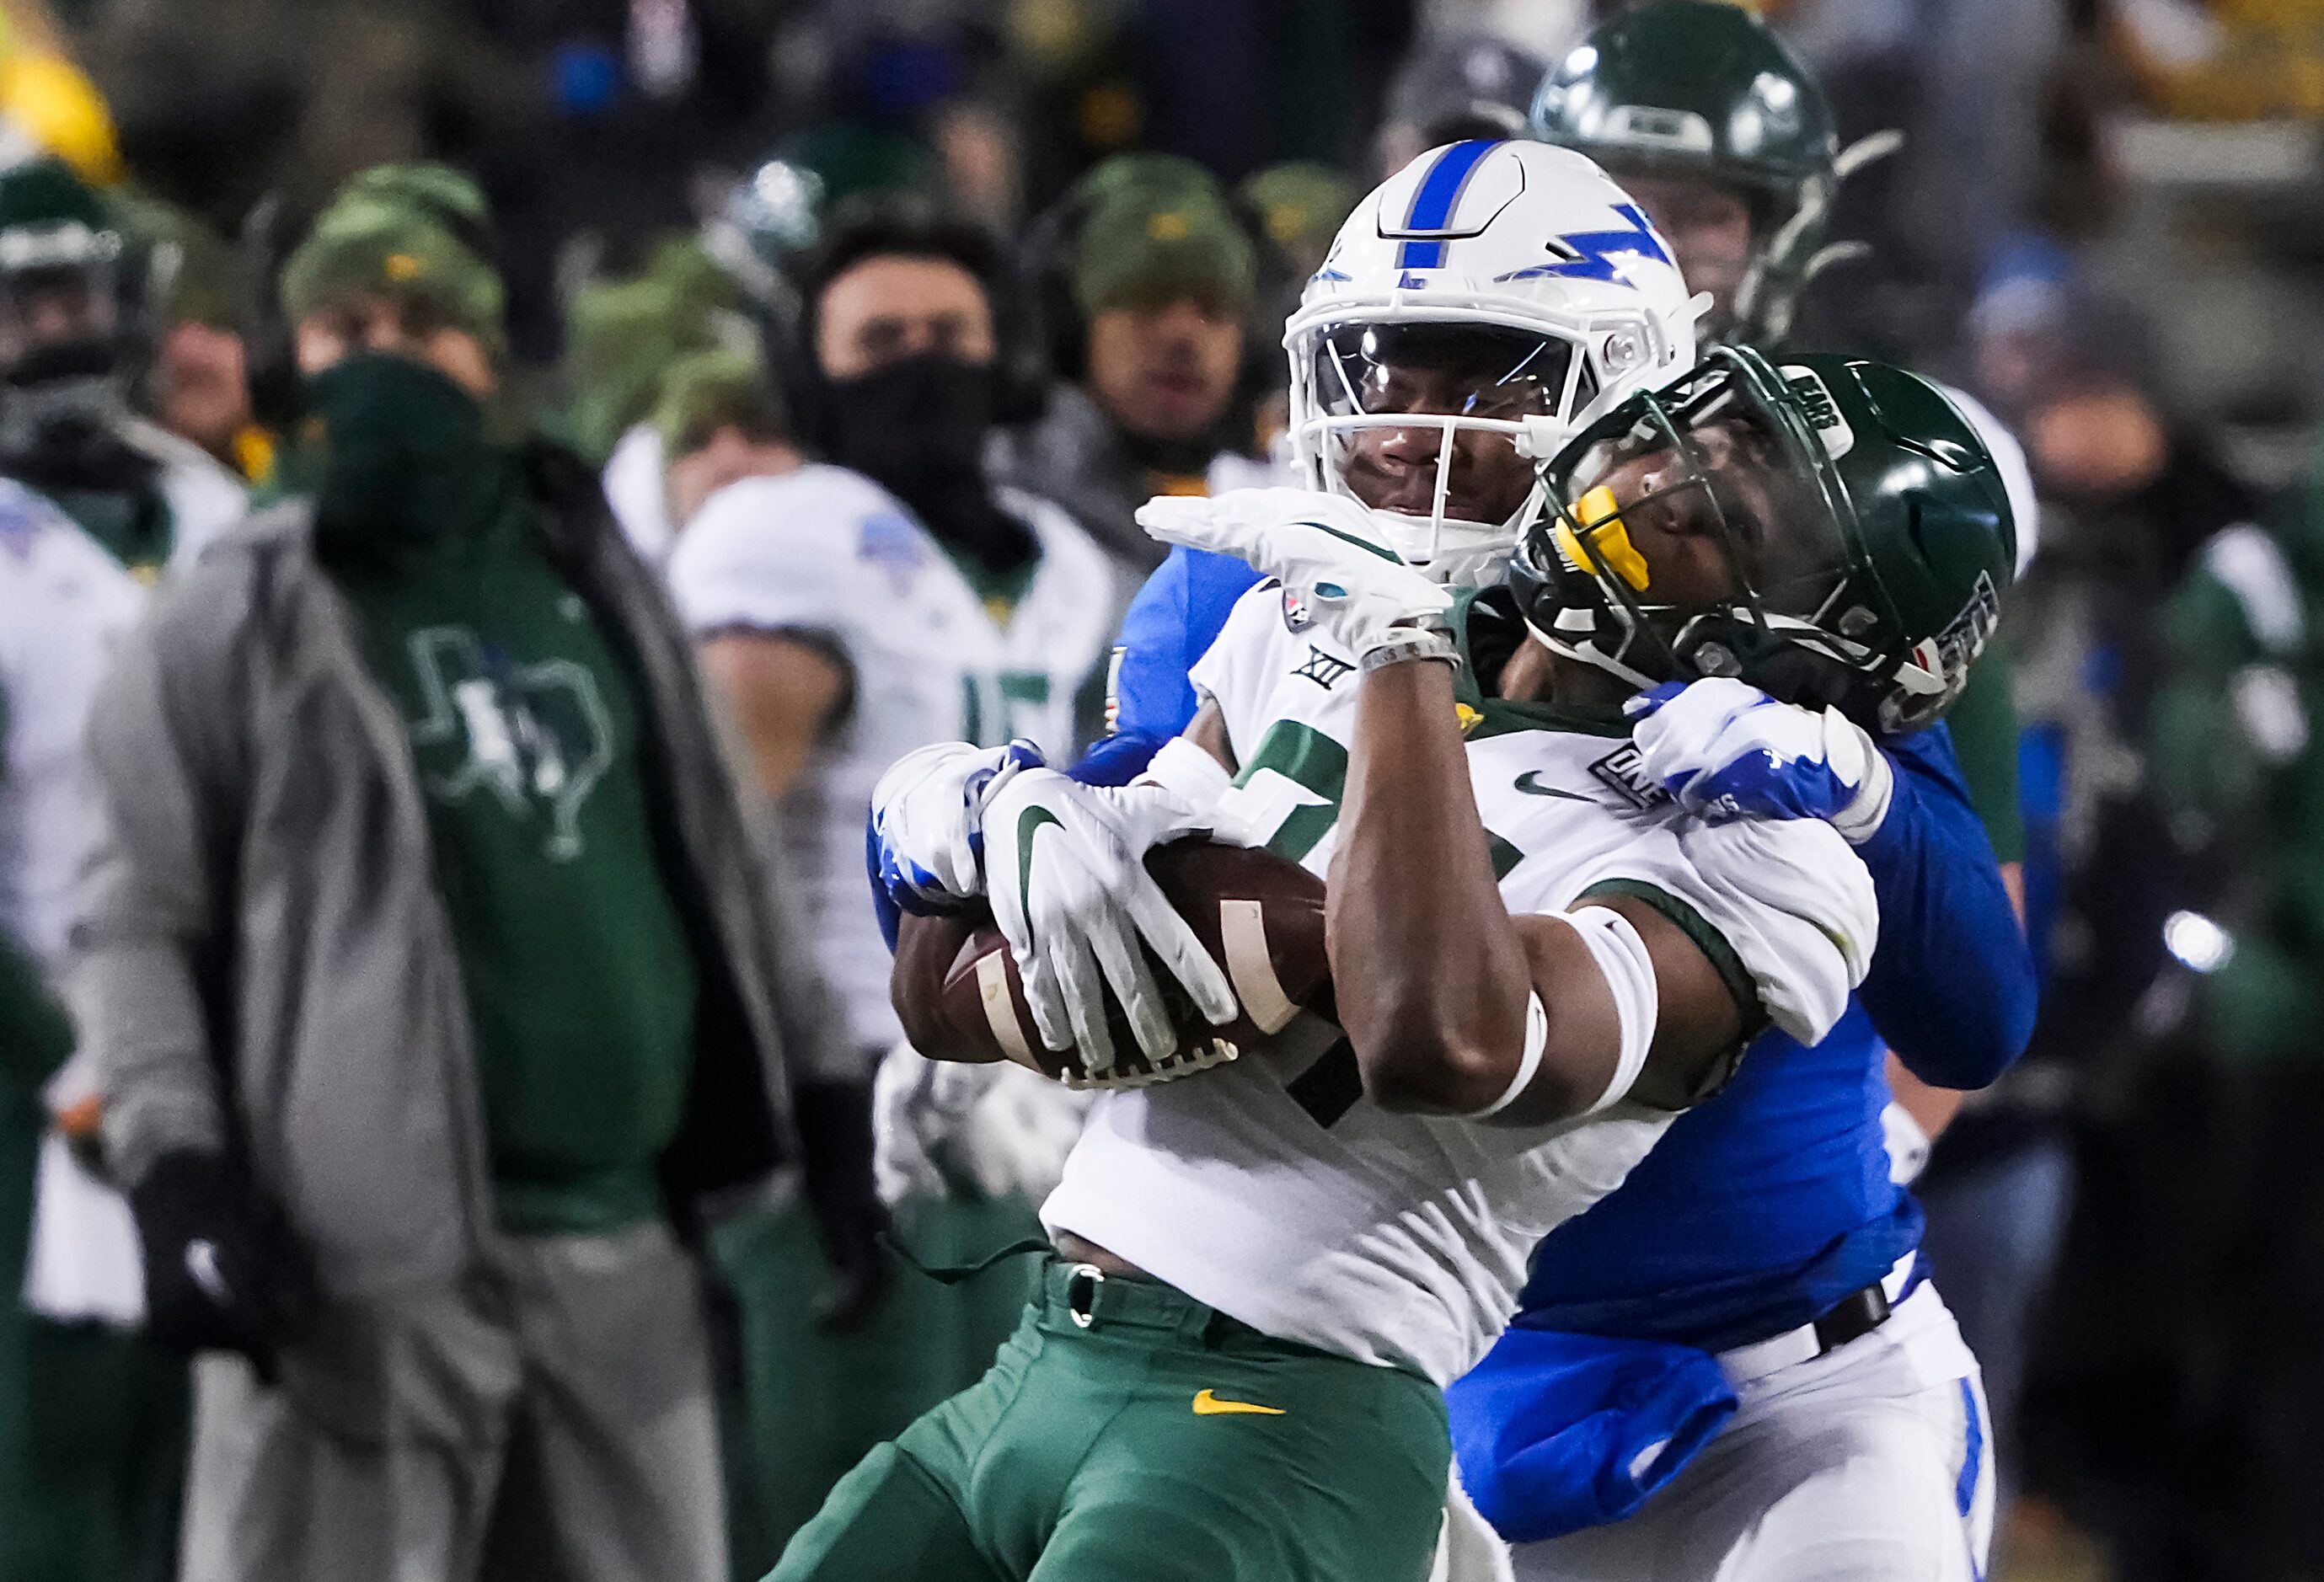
(1260, 917)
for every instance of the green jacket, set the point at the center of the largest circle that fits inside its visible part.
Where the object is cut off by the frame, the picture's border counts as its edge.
(2236, 760)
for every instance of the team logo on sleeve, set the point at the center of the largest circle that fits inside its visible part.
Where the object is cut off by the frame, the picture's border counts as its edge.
(1321, 669)
(1623, 772)
(1298, 614)
(892, 544)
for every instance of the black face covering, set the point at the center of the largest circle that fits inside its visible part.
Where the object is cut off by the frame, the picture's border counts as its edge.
(400, 458)
(917, 428)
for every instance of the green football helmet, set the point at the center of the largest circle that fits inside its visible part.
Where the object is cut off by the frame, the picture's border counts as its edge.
(67, 322)
(1861, 528)
(1703, 89)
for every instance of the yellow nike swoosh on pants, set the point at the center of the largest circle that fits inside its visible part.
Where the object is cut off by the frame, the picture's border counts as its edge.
(1209, 1405)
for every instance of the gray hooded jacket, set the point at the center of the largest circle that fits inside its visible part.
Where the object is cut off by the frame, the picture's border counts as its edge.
(262, 963)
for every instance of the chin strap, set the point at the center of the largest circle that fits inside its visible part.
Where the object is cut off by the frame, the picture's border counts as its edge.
(1587, 652)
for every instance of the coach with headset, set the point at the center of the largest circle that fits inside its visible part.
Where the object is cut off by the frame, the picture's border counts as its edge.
(887, 596)
(1150, 279)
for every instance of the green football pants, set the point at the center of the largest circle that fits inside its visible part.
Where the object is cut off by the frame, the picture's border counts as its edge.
(814, 1402)
(93, 1423)
(1128, 1433)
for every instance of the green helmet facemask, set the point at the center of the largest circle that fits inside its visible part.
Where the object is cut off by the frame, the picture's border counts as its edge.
(1862, 532)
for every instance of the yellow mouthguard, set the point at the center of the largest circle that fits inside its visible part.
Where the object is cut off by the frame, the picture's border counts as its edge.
(1608, 545)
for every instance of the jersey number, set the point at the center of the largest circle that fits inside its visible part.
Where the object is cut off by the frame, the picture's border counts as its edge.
(1318, 766)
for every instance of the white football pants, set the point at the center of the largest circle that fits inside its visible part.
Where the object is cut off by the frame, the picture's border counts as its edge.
(1872, 1462)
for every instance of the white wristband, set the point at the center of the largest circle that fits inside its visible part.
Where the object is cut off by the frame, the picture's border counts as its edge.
(1188, 771)
(1528, 1063)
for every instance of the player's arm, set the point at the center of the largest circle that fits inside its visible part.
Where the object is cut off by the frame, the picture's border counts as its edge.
(1172, 623)
(784, 693)
(1453, 1006)
(1953, 991)
(1952, 986)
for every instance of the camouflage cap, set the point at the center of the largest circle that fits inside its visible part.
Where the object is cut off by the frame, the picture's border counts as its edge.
(706, 392)
(1300, 205)
(623, 335)
(1154, 233)
(406, 232)
(448, 196)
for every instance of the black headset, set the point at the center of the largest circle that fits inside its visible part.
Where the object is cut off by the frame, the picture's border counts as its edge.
(892, 226)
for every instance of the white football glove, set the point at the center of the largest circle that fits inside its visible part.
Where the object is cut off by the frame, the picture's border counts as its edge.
(1065, 876)
(1322, 546)
(927, 845)
(939, 1125)
(1726, 750)
(916, 1106)
(1014, 1140)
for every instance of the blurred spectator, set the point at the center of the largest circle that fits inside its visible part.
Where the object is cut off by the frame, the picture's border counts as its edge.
(888, 597)
(429, 973)
(199, 387)
(2236, 757)
(719, 421)
(1299, 209)
(623, 338)
(1454, 88)
(1161, 280)
(96, 503)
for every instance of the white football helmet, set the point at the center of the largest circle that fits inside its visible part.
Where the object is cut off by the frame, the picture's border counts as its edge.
(1505, 288)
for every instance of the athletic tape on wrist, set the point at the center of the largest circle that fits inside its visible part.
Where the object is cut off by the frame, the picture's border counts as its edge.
(1528, 1063)
(1629, 972)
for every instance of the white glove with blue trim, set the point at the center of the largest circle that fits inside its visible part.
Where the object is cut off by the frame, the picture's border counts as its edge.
(1324, 546)
(1065, 873)
(927, 852)
(1727, 751)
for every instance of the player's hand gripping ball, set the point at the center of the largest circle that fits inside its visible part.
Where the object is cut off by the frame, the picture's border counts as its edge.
(1258, 917)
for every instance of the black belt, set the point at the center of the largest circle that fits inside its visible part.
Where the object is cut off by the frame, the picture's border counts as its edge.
(1855, 1317)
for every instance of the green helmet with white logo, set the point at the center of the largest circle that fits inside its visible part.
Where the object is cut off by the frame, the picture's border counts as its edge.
(1864, 528)
(1703, 89)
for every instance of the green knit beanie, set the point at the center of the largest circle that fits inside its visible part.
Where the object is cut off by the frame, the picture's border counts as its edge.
(1157, 230)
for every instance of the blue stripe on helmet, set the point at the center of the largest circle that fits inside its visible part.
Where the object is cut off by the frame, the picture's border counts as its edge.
(1438, 196)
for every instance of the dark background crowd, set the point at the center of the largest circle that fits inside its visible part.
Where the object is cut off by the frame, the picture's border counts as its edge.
(2103, 221)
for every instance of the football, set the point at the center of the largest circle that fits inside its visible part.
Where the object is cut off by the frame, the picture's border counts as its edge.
(1260, 917)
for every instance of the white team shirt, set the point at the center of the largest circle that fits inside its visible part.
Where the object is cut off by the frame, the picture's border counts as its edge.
(65, 603)
(825, 553)
(632, 482)
(1259, 1189)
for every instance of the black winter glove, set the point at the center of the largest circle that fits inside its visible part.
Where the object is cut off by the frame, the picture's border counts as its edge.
(222, 1271)
(834, 1129)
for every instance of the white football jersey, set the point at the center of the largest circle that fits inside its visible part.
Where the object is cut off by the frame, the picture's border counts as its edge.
(1270, 1190)
(65, 603)
(826, 555)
